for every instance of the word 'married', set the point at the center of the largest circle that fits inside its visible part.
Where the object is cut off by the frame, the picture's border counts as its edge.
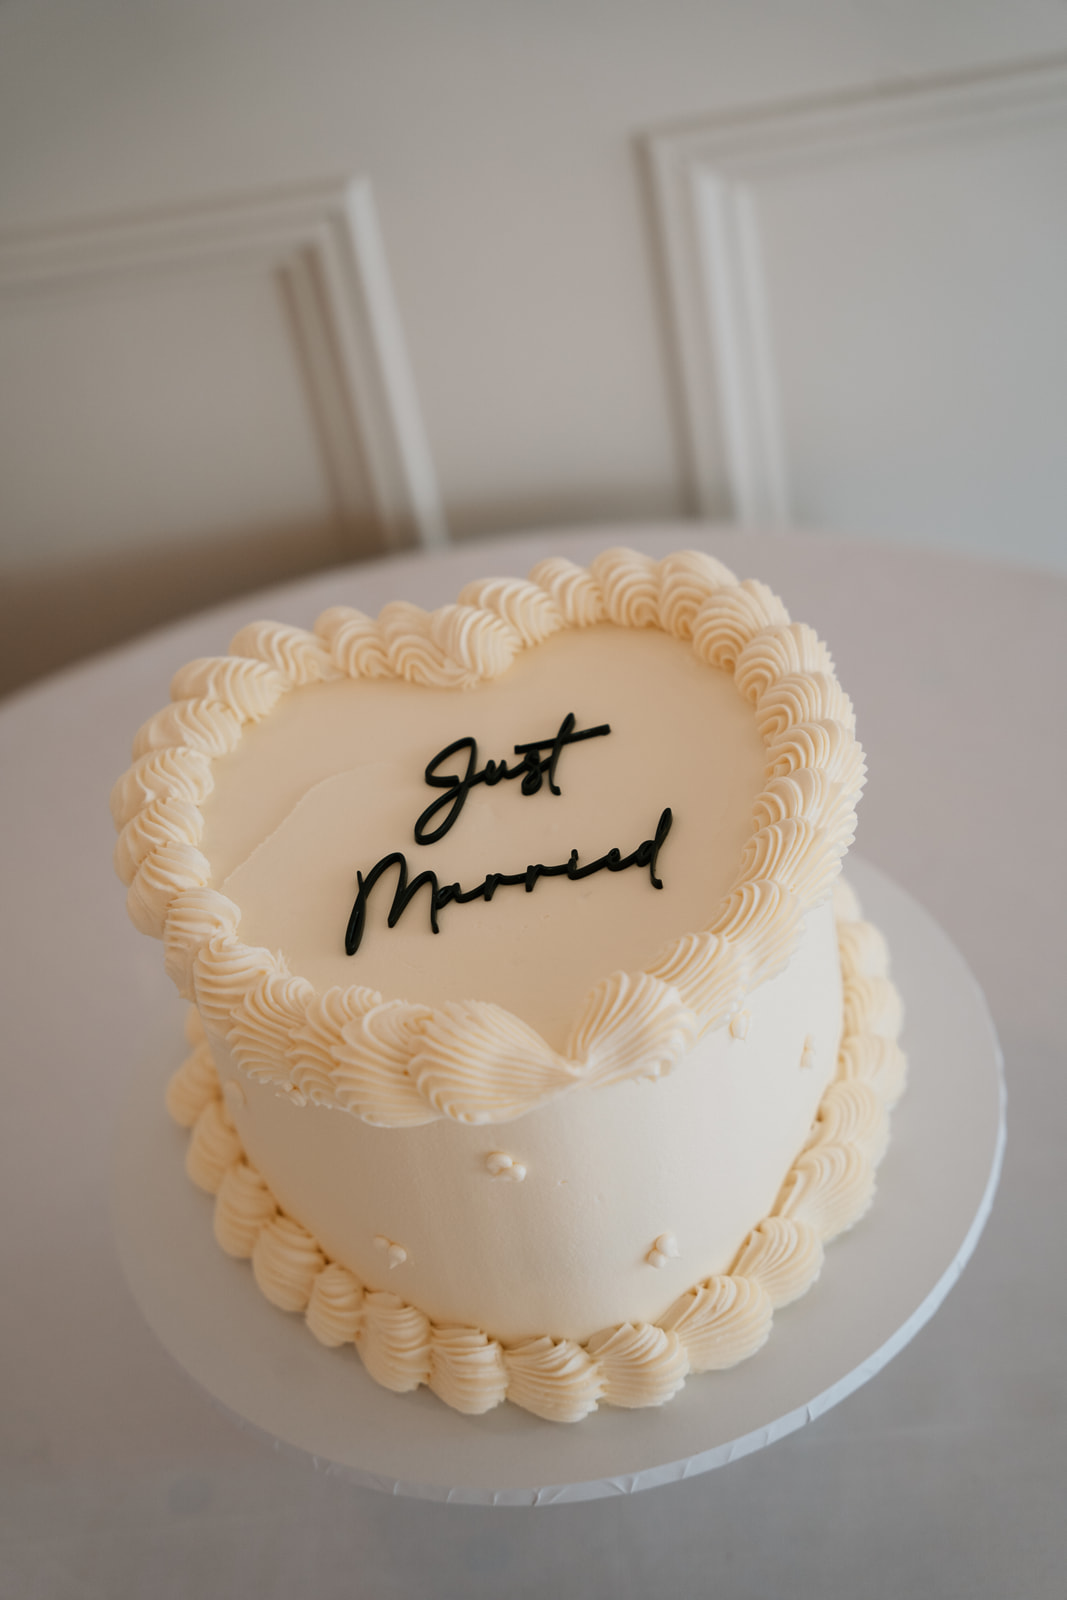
(646, 855)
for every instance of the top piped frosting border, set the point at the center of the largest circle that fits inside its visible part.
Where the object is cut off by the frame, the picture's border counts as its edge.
(397, 1063)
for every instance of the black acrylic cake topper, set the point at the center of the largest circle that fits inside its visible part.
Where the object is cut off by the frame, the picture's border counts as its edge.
(540, 760)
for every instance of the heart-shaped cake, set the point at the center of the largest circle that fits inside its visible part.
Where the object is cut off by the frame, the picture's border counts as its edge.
(534, 1051)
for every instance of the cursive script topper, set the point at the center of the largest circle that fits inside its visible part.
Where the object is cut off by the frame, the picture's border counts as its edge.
(540, 762)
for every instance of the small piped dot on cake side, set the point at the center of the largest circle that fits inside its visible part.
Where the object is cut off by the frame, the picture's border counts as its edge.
(501, 1165)
(739, 1025)
(394, 1253)
(663, 1250)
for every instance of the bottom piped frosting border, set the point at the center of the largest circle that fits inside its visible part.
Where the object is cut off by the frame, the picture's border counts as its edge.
(714, 1325)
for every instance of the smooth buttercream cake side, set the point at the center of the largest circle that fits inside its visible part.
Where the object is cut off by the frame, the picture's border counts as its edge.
(529, 1054)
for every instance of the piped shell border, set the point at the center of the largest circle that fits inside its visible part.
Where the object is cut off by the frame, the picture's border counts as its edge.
(714, 1325)
(396, 1063)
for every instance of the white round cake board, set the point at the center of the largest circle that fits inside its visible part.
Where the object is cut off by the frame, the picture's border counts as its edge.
(880, 1283)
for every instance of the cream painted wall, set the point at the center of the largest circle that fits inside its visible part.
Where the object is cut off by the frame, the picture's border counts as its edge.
(501, 145)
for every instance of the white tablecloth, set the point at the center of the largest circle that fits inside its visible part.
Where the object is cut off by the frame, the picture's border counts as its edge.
(943, 1478)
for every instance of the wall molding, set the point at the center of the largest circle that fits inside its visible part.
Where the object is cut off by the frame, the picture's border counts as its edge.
(323, 244)
(706, 176)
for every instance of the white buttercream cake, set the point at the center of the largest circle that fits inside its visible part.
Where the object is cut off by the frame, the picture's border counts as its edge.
(537, 1046)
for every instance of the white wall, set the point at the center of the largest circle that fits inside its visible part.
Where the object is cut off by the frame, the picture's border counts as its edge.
(501, 144)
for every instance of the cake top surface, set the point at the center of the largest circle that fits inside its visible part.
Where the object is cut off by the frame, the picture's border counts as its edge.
(334, 782)
(616, 791)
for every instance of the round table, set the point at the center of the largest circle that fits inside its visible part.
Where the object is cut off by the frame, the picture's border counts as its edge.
(942, 1477)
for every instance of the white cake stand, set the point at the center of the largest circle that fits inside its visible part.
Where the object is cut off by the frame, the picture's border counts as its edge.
(879, 1285)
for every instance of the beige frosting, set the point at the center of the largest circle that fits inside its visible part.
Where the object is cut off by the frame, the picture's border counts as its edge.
(654, 1059)
(712, 1324)
(610, 1168)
